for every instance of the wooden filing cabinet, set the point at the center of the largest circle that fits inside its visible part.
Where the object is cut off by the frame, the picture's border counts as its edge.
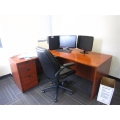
(24, 72)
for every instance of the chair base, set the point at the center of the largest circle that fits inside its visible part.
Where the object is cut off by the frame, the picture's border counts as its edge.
(57, 87)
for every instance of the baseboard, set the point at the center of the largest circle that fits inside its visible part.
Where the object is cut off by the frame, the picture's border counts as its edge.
(118, 79)
(5, 75)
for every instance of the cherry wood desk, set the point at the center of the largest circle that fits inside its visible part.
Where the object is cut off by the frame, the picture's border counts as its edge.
(91, 66)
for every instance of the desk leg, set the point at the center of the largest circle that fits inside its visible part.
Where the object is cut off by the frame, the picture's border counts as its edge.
(102, 70)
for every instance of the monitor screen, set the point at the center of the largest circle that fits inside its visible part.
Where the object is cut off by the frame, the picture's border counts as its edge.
(85, 43)
(67, 41)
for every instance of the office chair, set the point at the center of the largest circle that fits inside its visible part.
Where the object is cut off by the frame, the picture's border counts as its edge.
(53, 70)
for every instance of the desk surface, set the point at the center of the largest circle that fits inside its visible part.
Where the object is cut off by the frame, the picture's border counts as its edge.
(92, 59)
(20, 60)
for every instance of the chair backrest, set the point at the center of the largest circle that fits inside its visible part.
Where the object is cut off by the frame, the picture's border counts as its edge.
(49, 64)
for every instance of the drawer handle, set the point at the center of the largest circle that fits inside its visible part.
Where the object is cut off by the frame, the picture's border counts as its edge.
(29, 76)
(28, 69)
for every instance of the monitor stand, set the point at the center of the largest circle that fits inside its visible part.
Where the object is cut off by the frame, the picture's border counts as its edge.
(66, 48)
(84, 52)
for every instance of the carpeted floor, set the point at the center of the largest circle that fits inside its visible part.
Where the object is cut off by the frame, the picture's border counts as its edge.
(11, 95)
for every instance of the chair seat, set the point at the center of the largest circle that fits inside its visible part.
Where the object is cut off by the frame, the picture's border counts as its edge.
(66, 72)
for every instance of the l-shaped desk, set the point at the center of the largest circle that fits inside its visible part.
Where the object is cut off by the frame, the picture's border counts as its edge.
(91, 66)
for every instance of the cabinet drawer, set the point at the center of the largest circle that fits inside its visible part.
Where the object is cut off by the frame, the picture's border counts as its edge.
(29, 78)
(26, 64)
(28, 75)
(27, 69)
(29, 83)
(27, 72)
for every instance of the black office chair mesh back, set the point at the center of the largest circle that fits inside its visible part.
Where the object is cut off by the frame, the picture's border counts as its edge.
(49, 64)
(53, 70)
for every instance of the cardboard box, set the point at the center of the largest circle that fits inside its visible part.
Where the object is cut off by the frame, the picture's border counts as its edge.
(106, 90)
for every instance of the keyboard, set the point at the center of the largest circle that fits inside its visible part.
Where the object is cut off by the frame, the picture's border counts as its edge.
(63, 50)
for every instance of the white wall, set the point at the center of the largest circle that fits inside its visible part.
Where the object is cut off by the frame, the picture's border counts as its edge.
(79, 25)
(111, 42)
(20, 33)
(105, 30)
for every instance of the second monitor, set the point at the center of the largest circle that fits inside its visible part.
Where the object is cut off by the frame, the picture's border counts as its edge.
(85, 43)
(67, 41)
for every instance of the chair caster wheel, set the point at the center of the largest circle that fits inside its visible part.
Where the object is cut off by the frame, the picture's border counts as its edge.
(51, 82)
(43, 91)
(55, 100)
(64, 83)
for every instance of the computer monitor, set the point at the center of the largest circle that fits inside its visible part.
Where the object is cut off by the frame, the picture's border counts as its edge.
(53, 42)
(67, 41)
(85, 43)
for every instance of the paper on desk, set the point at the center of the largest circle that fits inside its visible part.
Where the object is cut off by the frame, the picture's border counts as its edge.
(28, 55)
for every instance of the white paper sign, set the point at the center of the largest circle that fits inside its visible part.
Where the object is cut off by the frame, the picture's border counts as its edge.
(105, 94)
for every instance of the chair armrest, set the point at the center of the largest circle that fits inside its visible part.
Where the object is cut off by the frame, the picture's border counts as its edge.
(55, 56)
(62, 67)
(58, 72)
(68, 64)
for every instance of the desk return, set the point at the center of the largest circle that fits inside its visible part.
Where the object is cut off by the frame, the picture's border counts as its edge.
(24, 72)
